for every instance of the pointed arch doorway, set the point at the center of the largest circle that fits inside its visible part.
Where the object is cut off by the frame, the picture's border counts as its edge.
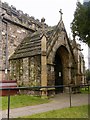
(61, 62)
(58, 73)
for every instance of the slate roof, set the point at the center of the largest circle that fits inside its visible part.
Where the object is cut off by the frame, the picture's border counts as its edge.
(31, 45)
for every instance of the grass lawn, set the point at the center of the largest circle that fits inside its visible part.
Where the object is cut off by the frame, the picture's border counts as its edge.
(22, 100)
(74, 112)
(85, 90)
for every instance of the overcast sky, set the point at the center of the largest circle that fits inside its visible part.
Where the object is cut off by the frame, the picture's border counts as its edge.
(86, 0)
(49, 9)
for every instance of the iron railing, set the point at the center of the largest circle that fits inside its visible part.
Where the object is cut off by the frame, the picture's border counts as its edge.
(37, 88)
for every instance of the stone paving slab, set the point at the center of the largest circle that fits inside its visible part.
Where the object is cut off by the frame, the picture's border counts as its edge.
(58, 102)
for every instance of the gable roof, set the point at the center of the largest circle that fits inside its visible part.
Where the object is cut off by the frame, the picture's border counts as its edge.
(31, 45)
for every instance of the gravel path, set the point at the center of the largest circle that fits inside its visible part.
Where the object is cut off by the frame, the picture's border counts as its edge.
(58, 102)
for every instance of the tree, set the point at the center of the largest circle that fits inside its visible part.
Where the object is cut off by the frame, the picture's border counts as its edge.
(88, 75)
(80, 25)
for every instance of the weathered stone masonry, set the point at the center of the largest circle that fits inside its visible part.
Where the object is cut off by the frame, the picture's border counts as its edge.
(39, 55)
(17, 26)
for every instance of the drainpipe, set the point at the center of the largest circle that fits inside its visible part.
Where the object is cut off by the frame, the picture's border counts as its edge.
(6, 51)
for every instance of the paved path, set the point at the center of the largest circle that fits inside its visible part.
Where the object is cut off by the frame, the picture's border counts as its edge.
(58, 102)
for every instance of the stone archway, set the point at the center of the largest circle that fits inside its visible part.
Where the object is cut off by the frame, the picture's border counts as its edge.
(61, 61)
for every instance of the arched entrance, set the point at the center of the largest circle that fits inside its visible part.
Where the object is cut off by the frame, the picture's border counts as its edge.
(58, 72)
(61, 62)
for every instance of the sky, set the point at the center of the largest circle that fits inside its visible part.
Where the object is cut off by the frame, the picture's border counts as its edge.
(86, 0)
(49, 9)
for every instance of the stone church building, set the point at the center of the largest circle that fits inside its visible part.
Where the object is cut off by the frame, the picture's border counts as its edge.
(36, 54)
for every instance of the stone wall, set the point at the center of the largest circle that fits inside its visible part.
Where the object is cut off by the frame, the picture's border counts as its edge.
(50, 75)
(80, 65)
(14, 36)
(19, 17)
(14, 27)
(35, 71)
(26, 71)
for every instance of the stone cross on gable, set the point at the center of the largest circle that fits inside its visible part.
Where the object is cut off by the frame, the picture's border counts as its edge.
(60, 14)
